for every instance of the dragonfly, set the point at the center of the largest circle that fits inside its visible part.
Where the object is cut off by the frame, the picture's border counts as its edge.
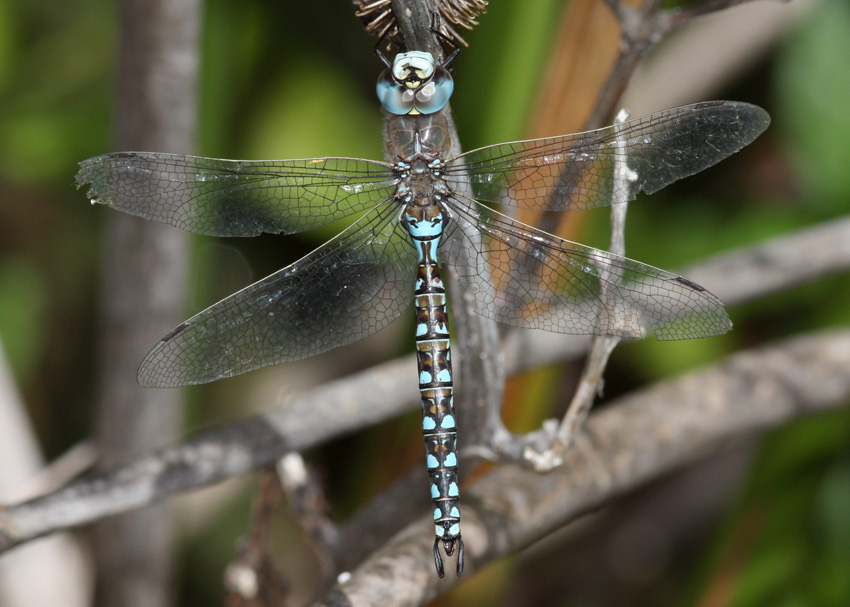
(423, 209)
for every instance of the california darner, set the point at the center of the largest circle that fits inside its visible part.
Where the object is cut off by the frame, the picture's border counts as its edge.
(423, 208)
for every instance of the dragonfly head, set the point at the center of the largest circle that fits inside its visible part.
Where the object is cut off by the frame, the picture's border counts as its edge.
(415, 84)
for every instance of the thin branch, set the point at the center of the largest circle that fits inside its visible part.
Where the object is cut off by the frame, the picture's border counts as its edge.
(643, 27)
(692, 65)
(251, 578)
(601, 346)
(780, 264)
(379, 393)
(636, 439)
(211, 457)
(306, 499)
(68, 466)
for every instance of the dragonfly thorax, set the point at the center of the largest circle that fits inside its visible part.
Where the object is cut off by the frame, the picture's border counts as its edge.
(411, 137)
(420, 188)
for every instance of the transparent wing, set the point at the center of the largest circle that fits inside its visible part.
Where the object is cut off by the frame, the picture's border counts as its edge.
(345, 290)
(235, 197)
(540, 281)
(576, 171)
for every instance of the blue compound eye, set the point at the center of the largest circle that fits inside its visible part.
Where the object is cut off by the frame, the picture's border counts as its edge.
(434, 95)
(400, 99)
(394, 96)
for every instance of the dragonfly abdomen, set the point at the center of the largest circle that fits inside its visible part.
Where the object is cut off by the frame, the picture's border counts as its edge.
(433, 354)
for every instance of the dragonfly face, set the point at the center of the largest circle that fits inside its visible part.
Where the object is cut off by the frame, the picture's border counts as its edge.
(415, 84)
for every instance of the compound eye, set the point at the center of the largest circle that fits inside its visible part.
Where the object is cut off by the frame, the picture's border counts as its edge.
(433, 96)
(395, 97)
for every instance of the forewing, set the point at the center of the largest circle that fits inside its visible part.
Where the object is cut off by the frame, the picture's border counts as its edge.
(347, 289)
(576, 171)
(531, 279)
(235, 197)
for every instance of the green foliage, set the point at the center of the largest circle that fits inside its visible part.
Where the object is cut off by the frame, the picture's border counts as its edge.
(54, 93)
(498, 76)
(799, 498)
(23, 303)
(790, 536)
(813, 88)
(6, 45)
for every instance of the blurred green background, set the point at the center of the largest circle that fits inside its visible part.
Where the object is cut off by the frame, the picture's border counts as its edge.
(289, 79)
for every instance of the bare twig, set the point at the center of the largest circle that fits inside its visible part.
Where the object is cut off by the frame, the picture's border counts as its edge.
(379, 393)
(217, 455)
(643, 27)
(252, 580)
(601, 346)
(693, 64)
(306, 500)
(636, 439)
(58, 473)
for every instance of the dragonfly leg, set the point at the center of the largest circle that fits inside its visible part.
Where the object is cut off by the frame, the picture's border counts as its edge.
(435, 29)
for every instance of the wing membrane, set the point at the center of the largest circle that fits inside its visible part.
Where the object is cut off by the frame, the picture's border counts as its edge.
(345, 290)
(539, 281)
(236, 197)
(573, 172)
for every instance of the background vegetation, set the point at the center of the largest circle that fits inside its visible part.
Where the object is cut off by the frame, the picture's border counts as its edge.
(287, 79)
